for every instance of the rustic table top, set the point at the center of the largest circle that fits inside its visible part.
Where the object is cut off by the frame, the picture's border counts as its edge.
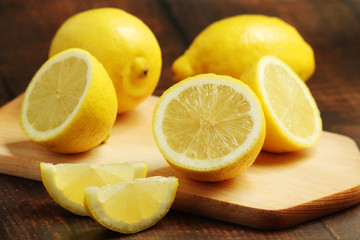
(331, 27)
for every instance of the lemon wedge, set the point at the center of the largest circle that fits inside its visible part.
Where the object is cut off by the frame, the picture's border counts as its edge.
(133, 206)
(209, 127)
(66, 182)
(293, 120)
(70, 104)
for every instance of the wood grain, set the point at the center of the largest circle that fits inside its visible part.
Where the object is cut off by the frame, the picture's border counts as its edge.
(278, 191)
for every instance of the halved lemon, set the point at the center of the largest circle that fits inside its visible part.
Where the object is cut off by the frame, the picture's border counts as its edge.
(293, 119)
(66, 182)
(209, 127)
(70, 104)
(133, 206)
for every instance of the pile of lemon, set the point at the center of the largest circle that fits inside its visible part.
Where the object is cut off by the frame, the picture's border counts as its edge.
(101, 62)
(244, 92)
(241, 89)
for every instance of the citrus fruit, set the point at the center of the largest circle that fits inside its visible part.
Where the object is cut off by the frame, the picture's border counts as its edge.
(133, 206)
(125, 46)
(70, 104)
(209, 127)
(66, 182)
(292, 117)
(231, 45)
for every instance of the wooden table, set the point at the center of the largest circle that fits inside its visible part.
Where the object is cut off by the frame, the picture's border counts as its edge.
(331, 27)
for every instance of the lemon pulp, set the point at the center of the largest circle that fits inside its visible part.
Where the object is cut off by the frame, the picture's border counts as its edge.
(57, 93)
(209, 127)
(70, 104)
(293, 119)
(288, 101)
(66, 182)
(133, 206)
(208, 124)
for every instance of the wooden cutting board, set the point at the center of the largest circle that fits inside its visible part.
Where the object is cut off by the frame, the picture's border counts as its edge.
(277, 191)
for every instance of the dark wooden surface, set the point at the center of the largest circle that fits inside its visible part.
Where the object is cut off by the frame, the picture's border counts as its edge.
(331, 27)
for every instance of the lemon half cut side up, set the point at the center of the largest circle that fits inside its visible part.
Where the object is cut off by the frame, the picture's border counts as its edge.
(209, 127)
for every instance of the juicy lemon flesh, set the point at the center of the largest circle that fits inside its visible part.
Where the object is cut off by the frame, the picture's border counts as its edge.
(132, 206)
(134, 202)
(209, 127)
(57, 93)
(293, 120)
(288, 101)
(70, 104)
(69, 179)
(207, 122)
(67, 182)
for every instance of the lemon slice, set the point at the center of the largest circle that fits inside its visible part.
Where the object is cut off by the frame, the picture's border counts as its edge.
(70, 104)
(133, 206)
(209, 127)
(66, 182)
(293, 119)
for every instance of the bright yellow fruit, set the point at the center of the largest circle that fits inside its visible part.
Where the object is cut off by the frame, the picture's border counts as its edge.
(231, 45)
(66, 182)
(209, 127)
(133, 206)
(292, 117)
(70, 104)
(125, 46)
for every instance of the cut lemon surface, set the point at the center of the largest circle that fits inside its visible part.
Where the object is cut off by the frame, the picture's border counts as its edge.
(293, 119)
(133, 206)
(209, 127)
(66, 182)
(70, 104)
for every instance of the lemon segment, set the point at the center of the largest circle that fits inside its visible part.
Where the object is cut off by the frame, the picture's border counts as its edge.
(66, 183)
(293, 120)
(209, 127)
(70, 104)
(133, 206)
(231, 45)
(124, 44)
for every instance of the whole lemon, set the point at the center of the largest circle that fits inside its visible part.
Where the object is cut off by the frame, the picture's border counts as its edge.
(125, 46)
(231, 45)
